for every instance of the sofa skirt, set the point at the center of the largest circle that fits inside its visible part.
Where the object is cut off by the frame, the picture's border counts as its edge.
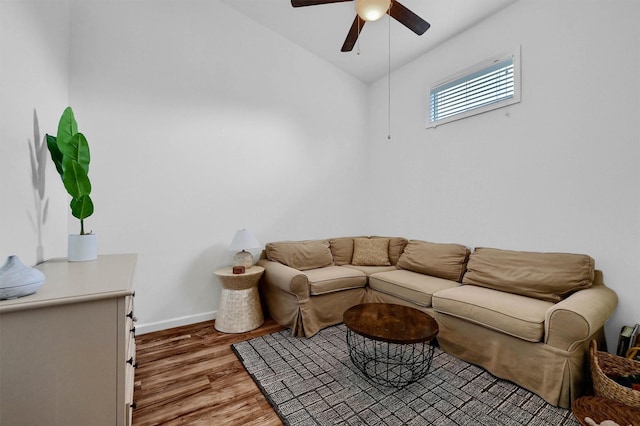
(558, 376)
(306, 317)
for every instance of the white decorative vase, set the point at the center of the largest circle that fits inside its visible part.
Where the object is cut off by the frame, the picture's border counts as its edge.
(82, 247)
(17, 280)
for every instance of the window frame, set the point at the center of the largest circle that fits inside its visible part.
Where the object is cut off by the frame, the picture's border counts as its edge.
(471, 71)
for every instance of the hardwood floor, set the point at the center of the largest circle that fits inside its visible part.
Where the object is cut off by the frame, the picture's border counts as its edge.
(190, 375)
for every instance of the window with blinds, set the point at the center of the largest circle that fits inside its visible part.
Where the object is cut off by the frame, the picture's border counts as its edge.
(493, 84)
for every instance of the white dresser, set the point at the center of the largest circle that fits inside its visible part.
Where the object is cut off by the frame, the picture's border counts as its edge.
(67, 352)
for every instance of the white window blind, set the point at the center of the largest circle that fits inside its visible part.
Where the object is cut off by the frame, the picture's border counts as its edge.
(490, 85)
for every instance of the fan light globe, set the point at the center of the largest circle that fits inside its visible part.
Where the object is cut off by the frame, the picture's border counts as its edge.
(372, 10)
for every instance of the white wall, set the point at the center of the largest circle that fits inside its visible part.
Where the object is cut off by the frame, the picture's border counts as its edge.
(557, 172)
(34, 58)
(201, 122)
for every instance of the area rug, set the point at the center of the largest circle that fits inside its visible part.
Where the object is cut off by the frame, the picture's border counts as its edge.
(313, 382)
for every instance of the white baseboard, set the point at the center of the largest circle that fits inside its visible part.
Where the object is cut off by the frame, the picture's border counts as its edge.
(174, 322)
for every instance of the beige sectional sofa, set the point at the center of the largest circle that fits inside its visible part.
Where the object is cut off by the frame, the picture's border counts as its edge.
(525, 317)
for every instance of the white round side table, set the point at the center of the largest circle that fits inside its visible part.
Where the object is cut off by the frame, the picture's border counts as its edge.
(239, 309)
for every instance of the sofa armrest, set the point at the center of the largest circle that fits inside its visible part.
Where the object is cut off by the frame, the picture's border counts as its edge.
(285, 278)
(573, 320)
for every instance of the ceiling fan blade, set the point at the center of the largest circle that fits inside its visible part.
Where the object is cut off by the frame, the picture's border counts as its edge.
(354, 32)
(300, 3)
(408, 18)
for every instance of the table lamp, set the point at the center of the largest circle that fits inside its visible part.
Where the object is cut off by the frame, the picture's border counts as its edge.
(244, 240)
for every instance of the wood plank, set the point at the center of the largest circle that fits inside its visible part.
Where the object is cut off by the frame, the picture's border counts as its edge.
(190, 375)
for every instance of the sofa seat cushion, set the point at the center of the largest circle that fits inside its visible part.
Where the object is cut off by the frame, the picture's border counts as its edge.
(446, 261)
(545, 276)
(370, 270)
(407, 285)
(512, 314)
(334, 278)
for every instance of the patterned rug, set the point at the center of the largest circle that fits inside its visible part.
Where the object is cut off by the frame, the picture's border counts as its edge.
(313, 382)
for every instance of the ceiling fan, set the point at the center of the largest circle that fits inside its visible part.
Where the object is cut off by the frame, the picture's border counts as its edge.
(372, 10)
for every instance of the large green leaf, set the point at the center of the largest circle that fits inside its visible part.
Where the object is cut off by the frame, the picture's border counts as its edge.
(75, 178)
(67, 127)
(82, 207)
(70, 153)
(77, 149)
(56, 155)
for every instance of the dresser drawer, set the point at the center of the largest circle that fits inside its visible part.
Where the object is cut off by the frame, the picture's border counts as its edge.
(130, 323)
(129, 380)
(131, 361)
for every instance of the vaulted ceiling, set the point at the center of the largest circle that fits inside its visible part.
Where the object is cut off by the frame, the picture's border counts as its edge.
(322, 30)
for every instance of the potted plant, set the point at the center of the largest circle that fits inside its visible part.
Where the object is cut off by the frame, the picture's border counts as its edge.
(70, 154)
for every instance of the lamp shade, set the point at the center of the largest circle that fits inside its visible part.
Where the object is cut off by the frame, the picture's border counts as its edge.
(244, 240)
(372, 10)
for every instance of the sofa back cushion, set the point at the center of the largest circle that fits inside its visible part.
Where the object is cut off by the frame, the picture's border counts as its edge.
(342, 250)
(446, 261)
(301, 255)
(370, 252)
(396, 247)
(544, 276)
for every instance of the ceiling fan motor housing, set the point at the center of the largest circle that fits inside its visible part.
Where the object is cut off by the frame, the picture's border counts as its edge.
(371, 10)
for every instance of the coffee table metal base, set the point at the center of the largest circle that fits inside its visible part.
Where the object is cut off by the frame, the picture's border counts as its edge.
(390, 364)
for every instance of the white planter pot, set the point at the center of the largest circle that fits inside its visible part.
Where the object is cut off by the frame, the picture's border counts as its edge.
(82, 247)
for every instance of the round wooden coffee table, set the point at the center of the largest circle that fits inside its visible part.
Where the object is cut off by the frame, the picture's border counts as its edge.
(390, 344)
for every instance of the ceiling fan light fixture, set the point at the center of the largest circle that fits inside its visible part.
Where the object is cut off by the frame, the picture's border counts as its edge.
(372, 10)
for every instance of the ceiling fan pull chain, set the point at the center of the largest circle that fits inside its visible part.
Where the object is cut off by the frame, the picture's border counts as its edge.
(389, 72)
(358, 18)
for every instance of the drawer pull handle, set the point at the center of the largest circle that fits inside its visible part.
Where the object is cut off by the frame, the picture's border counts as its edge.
(133, 330)
(133, 364)
(133, 405)
(130, 315)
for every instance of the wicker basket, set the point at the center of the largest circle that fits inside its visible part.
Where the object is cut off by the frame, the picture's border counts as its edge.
(601, 409)
(603, 365)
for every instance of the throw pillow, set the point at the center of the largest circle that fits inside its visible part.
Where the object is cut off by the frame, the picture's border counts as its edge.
(342, 250)
(396, 247)
(371, 252)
